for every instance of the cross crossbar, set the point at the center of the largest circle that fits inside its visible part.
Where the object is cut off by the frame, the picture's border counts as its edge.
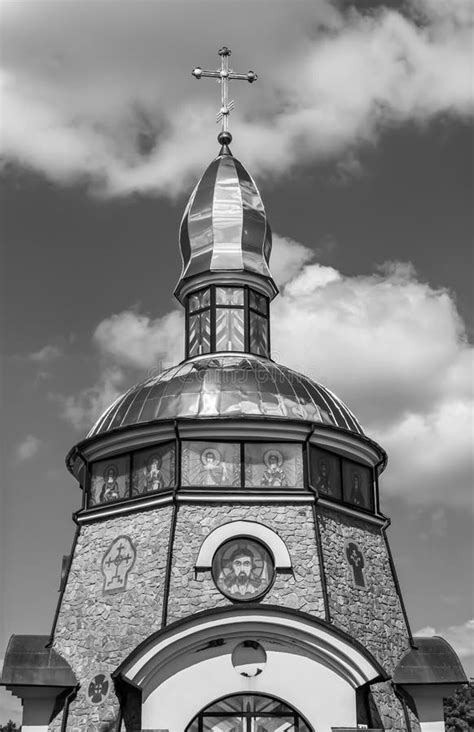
(224, 75)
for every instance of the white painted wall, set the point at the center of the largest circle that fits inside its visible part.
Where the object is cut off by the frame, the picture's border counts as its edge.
(37, 711)
(429, 704)
(316, 692)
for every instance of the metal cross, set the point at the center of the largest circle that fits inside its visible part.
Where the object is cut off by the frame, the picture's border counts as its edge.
(224, 75)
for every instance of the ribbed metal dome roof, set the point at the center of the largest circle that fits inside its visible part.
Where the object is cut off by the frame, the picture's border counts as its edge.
(224, 226)
(227, 385)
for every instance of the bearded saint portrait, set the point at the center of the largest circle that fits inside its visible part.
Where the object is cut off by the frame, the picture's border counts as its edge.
(243, 569)
(242, 580)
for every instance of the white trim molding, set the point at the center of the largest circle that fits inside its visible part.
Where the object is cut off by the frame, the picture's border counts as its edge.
(149, 665)
(250, 529)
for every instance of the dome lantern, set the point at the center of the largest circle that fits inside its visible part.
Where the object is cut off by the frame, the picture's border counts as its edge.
(225, 240)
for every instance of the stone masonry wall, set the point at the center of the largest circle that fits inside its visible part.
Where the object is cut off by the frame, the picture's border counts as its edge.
(96, 632)
(372, 614)
(301, 590)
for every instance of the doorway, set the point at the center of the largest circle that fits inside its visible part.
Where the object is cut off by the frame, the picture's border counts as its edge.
(248, 713)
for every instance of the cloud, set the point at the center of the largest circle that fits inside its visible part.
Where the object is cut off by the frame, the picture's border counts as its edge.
(134, 340)
(97, 91)
(130, 346)
(460, 637)
(288, 257)
(82, 409)
(395, 350)
(27, 448)
(46, 354)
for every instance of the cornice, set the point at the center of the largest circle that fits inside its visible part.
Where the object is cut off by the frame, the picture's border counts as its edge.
(262, 284)
(125, 439)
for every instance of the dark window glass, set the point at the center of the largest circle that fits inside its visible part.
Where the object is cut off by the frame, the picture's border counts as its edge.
(230, 330)
(258, 334)
(258, 302)
(326, 473)
(358, 484)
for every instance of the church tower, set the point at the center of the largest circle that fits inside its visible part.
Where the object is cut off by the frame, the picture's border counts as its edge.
(230, 570)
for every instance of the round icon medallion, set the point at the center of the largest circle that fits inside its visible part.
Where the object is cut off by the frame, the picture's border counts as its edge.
(98, 689)
(243, 569)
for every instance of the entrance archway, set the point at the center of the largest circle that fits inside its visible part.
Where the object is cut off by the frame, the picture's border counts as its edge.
(309, 664)
(248, 713)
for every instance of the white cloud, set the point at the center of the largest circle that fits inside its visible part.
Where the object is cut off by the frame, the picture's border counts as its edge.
(134, 340)
(288, 257)
(97, 90)
(430, 454)
(46, 354)
(128, 344)
(27, 448)
(82, 409)
(461, 637)
(395, 350)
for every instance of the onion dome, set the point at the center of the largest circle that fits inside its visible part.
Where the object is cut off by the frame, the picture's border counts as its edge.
(225, 227)
(227, 386)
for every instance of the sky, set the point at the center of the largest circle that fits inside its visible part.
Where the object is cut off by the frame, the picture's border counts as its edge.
(358, 133)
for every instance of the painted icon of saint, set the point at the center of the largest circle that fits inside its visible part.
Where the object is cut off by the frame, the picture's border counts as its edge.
(213, 470)
(273, 476)
(323, 482)
(110, 489)
(241, 580)
(152, 476)
(357, 563)
(357, 496)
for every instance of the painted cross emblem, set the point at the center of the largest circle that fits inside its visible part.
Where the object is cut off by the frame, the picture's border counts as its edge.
(117, 563)
(98, 689)
(357, 563)
(224, 75)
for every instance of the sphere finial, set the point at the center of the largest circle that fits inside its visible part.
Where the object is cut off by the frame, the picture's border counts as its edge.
(224, 137)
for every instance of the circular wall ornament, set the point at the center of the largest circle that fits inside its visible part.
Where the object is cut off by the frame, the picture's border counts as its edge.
(249, 658)
(98, 689)
(243, 569)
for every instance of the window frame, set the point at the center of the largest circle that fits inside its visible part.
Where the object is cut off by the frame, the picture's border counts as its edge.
(373, 485)
(177, 448)
(242, 485)
(213, 307)
(130, 455)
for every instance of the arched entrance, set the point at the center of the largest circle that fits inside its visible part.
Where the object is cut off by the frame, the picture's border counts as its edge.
(311, 665)
(248, 713)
